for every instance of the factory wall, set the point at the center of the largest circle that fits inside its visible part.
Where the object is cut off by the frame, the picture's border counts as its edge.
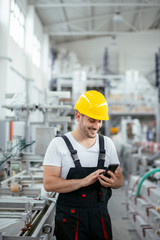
(4, 22)
(18, 75)
(133, 51)
(17, 72)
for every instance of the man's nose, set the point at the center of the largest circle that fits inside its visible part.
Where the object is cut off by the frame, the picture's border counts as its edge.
(96, 124)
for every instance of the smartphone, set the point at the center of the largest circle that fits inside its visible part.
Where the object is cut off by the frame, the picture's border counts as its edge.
(112, 168)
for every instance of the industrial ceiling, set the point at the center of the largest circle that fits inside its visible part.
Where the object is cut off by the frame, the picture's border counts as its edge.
(69, 20)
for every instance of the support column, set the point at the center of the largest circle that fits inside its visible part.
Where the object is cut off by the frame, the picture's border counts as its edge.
(28, 50)
(157, 68)
(29, 47)
(158, 120)
(106, 91)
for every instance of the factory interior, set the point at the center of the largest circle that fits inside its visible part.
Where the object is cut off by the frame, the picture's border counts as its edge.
(51, 52)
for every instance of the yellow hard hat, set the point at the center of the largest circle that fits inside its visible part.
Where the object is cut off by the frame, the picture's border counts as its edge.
(93, 104)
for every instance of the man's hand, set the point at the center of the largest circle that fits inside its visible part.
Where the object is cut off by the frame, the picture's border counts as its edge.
(91, 178)
(107, 182)
(115, 181)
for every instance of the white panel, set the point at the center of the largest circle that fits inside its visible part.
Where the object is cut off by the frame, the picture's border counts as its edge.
(43, 137)
(4, 134)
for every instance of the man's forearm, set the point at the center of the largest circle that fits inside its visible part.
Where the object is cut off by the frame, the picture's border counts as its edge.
(60, 185)
(54, 183)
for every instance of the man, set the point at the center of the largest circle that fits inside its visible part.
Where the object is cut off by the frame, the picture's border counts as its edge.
(74, 165)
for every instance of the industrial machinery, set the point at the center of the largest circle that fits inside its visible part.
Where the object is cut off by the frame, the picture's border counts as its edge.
(26, 210)
(140, 163)
(143, 204)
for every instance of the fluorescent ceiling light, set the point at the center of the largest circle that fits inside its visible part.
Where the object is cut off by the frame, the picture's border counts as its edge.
(117, 17)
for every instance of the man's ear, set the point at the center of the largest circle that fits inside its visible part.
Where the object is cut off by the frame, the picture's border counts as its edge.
(78, 115)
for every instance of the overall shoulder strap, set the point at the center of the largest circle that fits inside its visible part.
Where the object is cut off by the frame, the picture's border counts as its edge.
(73, 152)
(102, 151)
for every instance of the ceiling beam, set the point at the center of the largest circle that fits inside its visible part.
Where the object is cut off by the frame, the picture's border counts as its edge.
(65, 16)
(156, 21)
(77, 28)
(89, 4)
(137, 17)
(91, 33)
(90, 13)
(102, 24)
(80, 20)
(128, 24)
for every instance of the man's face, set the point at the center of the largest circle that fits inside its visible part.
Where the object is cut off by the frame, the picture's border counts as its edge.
(89, 126)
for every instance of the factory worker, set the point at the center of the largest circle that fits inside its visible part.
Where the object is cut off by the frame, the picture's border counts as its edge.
(74, 166)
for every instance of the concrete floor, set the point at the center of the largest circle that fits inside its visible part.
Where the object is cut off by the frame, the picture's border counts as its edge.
(120, 224)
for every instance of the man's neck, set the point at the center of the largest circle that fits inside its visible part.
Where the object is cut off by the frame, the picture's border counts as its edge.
(82, 139)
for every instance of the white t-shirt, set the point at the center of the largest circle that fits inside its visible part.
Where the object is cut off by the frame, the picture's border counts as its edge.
(58, 154)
